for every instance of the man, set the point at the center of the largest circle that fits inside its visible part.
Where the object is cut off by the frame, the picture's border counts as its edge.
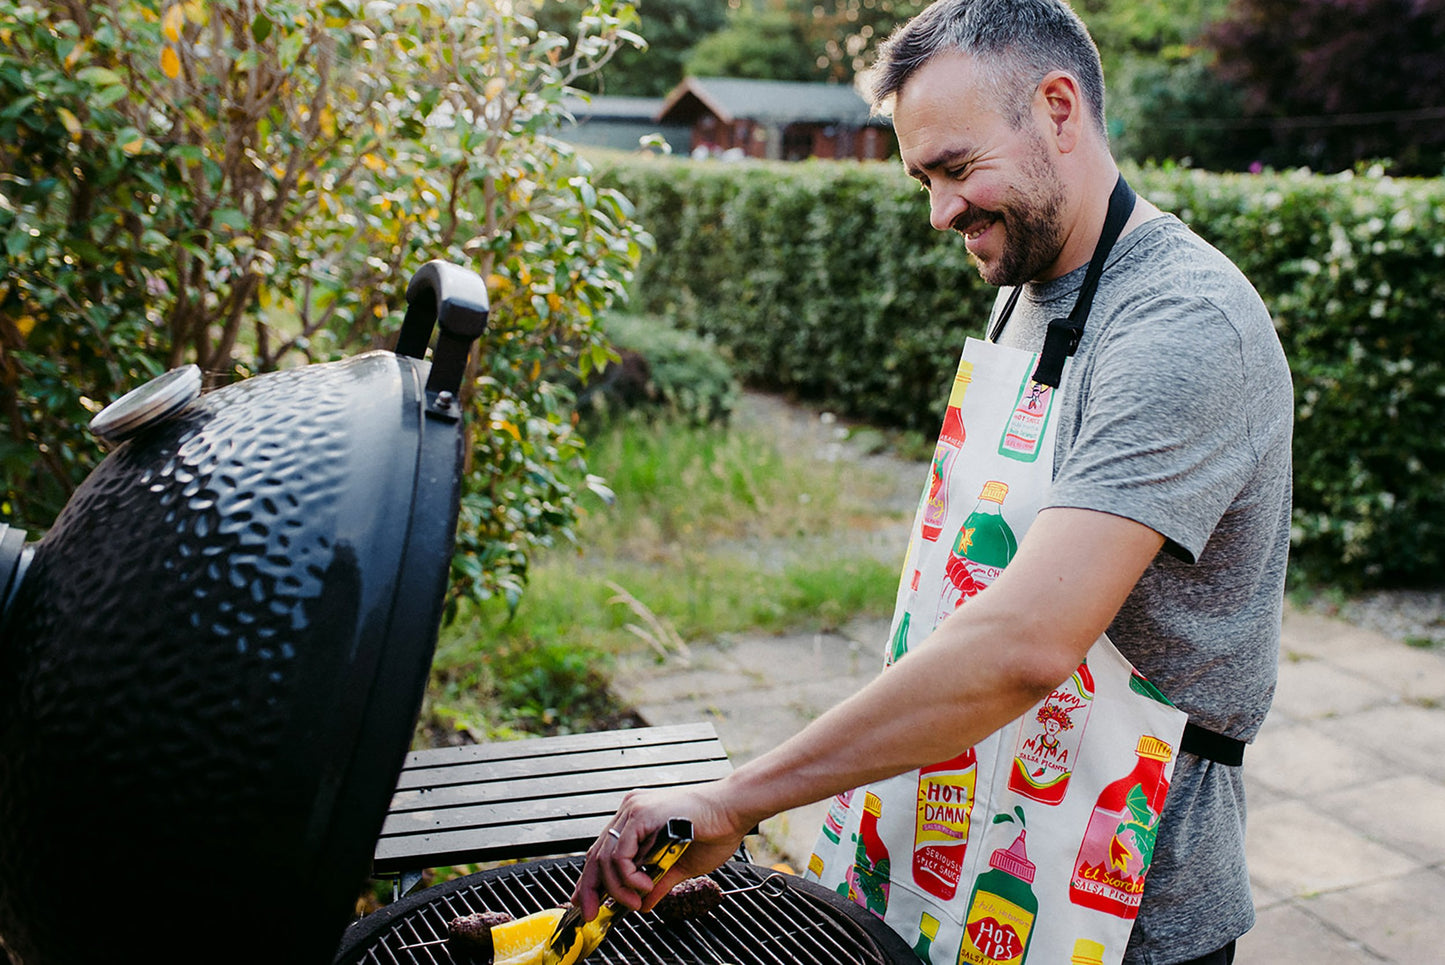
(1167, 522)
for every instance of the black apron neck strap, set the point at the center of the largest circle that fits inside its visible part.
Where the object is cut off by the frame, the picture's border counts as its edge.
(1062, 338)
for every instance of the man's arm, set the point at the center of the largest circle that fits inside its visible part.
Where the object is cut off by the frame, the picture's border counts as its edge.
(992, 659)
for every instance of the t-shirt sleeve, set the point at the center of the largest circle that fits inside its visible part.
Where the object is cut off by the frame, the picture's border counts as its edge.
(1160, 437)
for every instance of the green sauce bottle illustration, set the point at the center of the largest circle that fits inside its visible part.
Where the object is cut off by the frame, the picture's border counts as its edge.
(1024, 431)
(899, 646)
(1001, 910)
(927, 932)
(950, 441)
(983, 547)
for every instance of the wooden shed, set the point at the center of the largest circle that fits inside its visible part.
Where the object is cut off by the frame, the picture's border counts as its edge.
(781, 120)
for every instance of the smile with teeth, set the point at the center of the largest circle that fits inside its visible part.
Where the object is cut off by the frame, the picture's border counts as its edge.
(973, 229)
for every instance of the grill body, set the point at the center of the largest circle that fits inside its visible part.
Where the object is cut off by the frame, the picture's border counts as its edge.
(805, 925)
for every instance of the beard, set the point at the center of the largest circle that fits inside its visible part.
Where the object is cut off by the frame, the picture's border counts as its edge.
(1033, 232)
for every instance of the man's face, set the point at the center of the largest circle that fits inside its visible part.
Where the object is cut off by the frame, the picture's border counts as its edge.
(995, 185)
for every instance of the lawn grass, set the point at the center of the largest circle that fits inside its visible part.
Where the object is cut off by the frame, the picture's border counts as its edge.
(713, 530)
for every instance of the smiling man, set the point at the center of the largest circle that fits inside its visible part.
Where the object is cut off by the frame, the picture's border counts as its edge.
(1152, 492)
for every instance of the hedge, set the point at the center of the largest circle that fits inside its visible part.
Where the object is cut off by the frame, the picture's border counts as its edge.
(824, 279)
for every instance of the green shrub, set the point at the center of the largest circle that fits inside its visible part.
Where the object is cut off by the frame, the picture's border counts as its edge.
(662, 370)
(250, 186)
(826, 279)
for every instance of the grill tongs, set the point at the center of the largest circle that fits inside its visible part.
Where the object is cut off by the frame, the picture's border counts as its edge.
(573, 939)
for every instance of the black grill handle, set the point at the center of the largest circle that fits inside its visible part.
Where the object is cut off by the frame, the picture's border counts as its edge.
(455, 299)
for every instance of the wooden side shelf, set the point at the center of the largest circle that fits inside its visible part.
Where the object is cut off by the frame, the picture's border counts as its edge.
(532, 798)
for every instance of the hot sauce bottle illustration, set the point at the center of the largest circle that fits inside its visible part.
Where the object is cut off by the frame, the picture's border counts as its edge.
(983, 547)
(837, 816)
(927, 932)
(1049, 739)
(899, 646)
(1087, 952)
(1001, 910)
(940, 838)
(1119, 839)
(868, 878)
(950, 441)
(1025, 428)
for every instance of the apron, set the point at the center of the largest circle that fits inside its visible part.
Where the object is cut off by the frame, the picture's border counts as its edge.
(1034, 844)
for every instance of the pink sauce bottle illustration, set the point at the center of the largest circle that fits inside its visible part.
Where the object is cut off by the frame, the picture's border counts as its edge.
(950, 441)
(868, 878)
(1024, 431)
(1001, 910)
(1119, 839)
(1049, 739)
(940, 838)
(983, 547)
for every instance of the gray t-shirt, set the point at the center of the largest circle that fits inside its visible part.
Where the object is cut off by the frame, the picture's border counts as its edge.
(1178, 414)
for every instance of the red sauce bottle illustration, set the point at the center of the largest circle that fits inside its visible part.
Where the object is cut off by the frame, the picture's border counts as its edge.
(1049, 739)
(940, 837)
(1119, 840)
(983, 547)
(950, 441)
(868, 878)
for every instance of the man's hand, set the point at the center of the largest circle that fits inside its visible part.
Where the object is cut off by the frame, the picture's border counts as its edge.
(611, 868)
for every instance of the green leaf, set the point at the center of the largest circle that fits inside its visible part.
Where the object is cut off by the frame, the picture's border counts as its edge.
(99, 76)
(261, 28)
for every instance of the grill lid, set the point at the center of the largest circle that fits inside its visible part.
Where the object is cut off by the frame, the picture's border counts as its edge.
(211, 665)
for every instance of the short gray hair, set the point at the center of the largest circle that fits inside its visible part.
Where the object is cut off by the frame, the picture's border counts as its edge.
(1018, 41)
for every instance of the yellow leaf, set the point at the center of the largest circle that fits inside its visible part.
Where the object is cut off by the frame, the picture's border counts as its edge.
(170, 63)
(554, 302)
(508, 428)
(172, 23)
(328, 122)
(536, 370)
(72, 58)
(498, 283)
(494, 88)
(134, 147)
(372, 162)
(26, 324)
(196, 12)
(379, 310)
(71, 122)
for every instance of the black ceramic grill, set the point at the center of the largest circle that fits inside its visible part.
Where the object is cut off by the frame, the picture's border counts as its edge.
(211, 665)
(803, 925)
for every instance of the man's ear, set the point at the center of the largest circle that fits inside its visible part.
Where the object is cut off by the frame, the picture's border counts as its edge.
(1060, 103)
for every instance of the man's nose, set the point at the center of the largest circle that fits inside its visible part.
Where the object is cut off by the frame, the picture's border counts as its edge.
(944, 208)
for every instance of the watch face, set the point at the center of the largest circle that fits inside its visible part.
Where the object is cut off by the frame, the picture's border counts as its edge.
(148, 404)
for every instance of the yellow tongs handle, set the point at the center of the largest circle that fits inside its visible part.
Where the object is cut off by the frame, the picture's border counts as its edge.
(573, 939)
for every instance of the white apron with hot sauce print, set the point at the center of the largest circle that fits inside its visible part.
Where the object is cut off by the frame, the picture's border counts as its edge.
(1031, 846)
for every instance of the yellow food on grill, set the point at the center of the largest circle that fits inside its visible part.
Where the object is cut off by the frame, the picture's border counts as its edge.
(521, 941)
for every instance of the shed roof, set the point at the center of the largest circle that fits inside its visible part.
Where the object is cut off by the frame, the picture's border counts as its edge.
(613, 107)
(769, 101)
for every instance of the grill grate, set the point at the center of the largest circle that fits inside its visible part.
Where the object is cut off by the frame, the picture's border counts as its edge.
(805, 925)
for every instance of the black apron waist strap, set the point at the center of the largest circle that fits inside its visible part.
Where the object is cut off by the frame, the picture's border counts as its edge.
(1205, 743)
